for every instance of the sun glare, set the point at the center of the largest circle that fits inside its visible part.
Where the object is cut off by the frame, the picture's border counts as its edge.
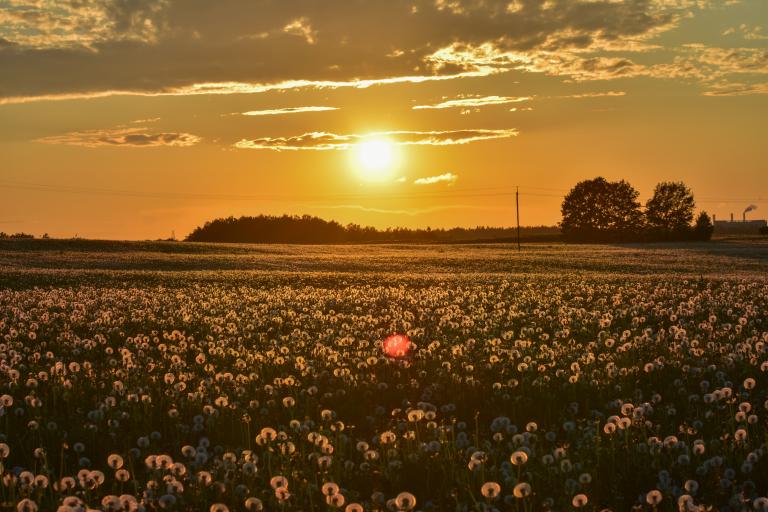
(375, 159)
(397, 345)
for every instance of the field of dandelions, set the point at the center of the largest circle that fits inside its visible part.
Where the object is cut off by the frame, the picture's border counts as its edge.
(193, 378)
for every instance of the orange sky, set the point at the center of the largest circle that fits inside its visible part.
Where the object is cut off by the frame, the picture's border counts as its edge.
(135, 120)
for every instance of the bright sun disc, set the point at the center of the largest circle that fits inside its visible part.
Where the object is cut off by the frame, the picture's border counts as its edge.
(376, 158)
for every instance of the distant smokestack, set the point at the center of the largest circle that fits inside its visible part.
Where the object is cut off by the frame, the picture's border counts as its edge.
(747, 209)
(731, 217)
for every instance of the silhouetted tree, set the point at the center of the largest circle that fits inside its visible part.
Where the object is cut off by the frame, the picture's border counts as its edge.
(703, 228)
(598, 210)
(669, 212)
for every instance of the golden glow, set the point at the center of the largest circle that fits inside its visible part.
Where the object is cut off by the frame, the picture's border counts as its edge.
(432, 122)
(375, 159)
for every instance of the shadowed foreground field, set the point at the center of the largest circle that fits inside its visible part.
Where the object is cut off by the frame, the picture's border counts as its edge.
(192, 377)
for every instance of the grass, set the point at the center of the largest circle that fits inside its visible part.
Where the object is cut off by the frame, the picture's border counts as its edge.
(183, 376)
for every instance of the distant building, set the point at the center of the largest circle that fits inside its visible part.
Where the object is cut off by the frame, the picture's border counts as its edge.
(739, 227)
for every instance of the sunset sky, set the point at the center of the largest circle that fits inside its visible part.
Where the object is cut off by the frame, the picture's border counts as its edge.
(133, 119)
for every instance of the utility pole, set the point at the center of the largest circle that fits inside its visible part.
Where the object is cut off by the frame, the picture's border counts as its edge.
(517, 207)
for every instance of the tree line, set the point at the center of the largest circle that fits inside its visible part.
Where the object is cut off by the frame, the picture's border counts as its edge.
(309, 229)
(599, 210)
(595, 210)
(16, 236)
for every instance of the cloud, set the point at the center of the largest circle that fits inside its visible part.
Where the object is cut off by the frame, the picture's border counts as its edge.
(146, 121)
(80, 25)
(574, 65)
(77, 49)
(606, 94)
(736, 89)
(301, 27)
(122, 137)
(318, 141)
(561, 63)
(289, 110)
(721, 61)
(693, 61)
(754, 33)
(226, 88)
(474, 102)
(469, 102)
(431, 180)
(324, 141)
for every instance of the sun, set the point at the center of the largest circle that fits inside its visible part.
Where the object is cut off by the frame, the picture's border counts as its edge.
(375, 158)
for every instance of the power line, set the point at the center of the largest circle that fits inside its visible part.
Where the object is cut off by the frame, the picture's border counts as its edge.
(475, 192)
(462, 193)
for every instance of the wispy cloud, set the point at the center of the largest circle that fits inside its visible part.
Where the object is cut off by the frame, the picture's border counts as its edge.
(323, 141)
(750, 33)
(226, 88)
(145, 121)
(607, 94)
(715, 61)
(570, 63)
(448, 177)
(288, 110)
(301, 27)
(736, 89)
(474, 102)
(693, 62)
(122, 137)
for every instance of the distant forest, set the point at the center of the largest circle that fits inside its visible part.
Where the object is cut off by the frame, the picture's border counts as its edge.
(314, 230)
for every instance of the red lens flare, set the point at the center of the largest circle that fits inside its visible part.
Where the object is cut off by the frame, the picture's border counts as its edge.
(396, 345)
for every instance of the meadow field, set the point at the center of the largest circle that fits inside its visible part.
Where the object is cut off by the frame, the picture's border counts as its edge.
(181, 376)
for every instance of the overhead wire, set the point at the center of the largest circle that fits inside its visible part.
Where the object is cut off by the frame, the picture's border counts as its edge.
(474, 192)
(457, 194)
